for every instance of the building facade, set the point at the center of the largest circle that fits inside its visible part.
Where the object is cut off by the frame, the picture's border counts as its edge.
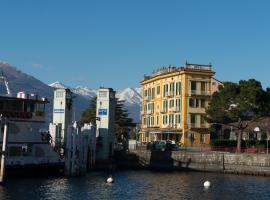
(173, 105)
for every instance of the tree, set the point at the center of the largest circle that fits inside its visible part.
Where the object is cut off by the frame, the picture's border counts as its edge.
(237, 104)
(122, 122)
(89, 115)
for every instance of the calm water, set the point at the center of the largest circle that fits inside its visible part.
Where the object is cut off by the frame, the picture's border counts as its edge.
(139, 185)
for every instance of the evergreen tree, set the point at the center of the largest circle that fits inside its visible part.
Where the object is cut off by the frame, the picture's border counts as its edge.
(122, 122)
(89, 115)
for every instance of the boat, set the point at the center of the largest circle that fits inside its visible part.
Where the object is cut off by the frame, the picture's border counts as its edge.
(29, 146)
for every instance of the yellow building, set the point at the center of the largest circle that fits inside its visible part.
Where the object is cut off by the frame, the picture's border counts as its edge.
(173, 105)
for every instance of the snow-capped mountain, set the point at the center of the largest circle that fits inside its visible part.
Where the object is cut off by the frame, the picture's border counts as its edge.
(130, 96)
(58, 84)
(85, 91)
(132, 100)
(79, 90)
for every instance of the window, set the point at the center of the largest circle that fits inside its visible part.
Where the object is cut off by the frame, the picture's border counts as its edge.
(165, 90)
(193, 85)
(179, 119)
(170, 119)
(202, 103)
(172, 88)
(197, 103)
(145, 93)
(203, 86)
(192, 118)
(157, 120)
(202, 138)
(153, 93)
(103, 94)
(178, 88)
(191, 102)
(165, 119)
(158, 90)
(59, 94)
(149, 93)
(171, 103)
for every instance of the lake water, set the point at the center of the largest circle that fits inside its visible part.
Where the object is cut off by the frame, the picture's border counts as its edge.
(138, 185)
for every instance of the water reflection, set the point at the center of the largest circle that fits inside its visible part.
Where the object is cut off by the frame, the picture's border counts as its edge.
(138, 185)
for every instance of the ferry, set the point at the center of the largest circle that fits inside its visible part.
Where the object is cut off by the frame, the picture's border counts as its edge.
(29, 146)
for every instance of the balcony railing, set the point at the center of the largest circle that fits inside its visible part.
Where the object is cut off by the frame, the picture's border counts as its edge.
(149, 112)
(176, 109)
(170, 94)
(199, 92)
(195, 125)
(164, 110)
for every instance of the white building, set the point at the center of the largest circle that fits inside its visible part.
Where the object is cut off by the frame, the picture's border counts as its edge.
(105, 123)
(62, 112)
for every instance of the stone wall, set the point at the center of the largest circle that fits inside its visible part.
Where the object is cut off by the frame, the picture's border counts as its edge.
(254, 164)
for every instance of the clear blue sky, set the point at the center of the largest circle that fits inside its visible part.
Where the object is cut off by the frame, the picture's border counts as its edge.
(114, 43)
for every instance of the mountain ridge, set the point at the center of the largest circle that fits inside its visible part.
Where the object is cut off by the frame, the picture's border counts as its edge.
(20, 81)
(130, 96)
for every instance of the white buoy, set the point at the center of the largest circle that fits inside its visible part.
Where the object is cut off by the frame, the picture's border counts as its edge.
(110, 180)
(207, 184)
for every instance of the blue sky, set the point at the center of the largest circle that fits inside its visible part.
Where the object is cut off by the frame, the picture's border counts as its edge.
(114, 43)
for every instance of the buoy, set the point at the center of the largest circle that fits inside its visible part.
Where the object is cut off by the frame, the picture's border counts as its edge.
(207, 184)
(110, 179)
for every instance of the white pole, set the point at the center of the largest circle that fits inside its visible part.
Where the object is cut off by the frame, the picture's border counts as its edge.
(3, 158)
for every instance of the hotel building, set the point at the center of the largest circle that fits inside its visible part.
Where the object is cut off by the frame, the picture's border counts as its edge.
(173, 105)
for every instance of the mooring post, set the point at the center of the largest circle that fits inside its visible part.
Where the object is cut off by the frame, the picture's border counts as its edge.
(3, 157)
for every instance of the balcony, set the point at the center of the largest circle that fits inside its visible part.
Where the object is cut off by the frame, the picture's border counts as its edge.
(149, 112)
(147, 98)
(199, 92)
(195, 125)
(164, 110)
(176, 109)
(170, 94)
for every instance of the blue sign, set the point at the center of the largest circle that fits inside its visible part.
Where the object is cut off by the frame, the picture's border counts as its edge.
(102, 111)
(59, 110)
